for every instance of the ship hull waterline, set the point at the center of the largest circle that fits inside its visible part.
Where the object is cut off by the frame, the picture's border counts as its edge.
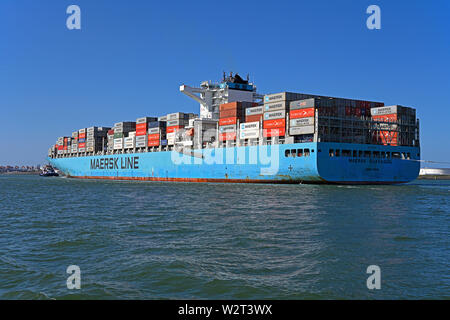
(252, 164)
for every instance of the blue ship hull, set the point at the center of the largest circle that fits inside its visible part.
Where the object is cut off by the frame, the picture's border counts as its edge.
(255, 164)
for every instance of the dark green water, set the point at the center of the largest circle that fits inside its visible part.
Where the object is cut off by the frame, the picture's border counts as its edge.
(180, 241)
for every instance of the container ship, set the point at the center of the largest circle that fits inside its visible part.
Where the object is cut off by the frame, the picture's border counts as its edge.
(241, 136)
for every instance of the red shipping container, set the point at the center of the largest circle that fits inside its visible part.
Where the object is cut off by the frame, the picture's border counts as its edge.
(388, 138)
(141, 132)
(226, 136)
(253, 118)
(386, 117)
(141, 126)
(82, 145)
(82, 136)
(278, 132)
(227, 121)
(229, 106)
(275, 123)
(60, 147)
(153, 143)
(237, 105)
(174, 128)
(231, 113)
(301, 113)
(153, 136)
(110, 132)
(65, 147)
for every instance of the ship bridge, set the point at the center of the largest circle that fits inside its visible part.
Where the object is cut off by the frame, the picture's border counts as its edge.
(212, 95)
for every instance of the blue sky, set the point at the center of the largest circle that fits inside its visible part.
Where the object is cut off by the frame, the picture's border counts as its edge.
(130, 57)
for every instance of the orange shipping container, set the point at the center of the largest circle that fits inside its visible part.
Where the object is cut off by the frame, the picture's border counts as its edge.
(253, 118)
(82, 136)
(153, 143)
(278, 132)
(231, 113)
(226, 136)
(154, 136)
(301, 113)
(141, 126)
(276, 123)
(229, 106)
(141, 132)
(227, 121)
(386, 117)
(388, 138)
(236, 105)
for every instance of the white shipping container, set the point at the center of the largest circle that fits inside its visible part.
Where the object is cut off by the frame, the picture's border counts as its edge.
(141, 144)
(176, 115)
(249, 126)
(280, 114)
(153, 130)
(383, 110)
(282, 96)
(293, 131)
(249, 134)
(282, 105)
(177, 122)
(254, 111)
(228, 128)
(302, 122)
(301, 104)
(141, 138)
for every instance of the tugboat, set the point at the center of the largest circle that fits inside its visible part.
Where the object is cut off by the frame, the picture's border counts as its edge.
(48, 171)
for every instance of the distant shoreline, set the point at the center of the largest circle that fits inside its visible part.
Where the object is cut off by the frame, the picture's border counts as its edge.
(434, 177)
(20, 173)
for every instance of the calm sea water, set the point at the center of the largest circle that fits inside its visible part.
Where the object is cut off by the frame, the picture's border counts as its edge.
(140, 240)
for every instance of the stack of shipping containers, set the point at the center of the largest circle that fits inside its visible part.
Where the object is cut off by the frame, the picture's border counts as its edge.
(96, 139)
(130, 141)
(175, 122)
(395, 125)
(82, 140)
(250, 129)
(156, 133)
(121, 131)
(301, 119)
(74, 149)
(110, 145)
(60, 144)
(230, 116)
(276, 107)
(141, 131)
